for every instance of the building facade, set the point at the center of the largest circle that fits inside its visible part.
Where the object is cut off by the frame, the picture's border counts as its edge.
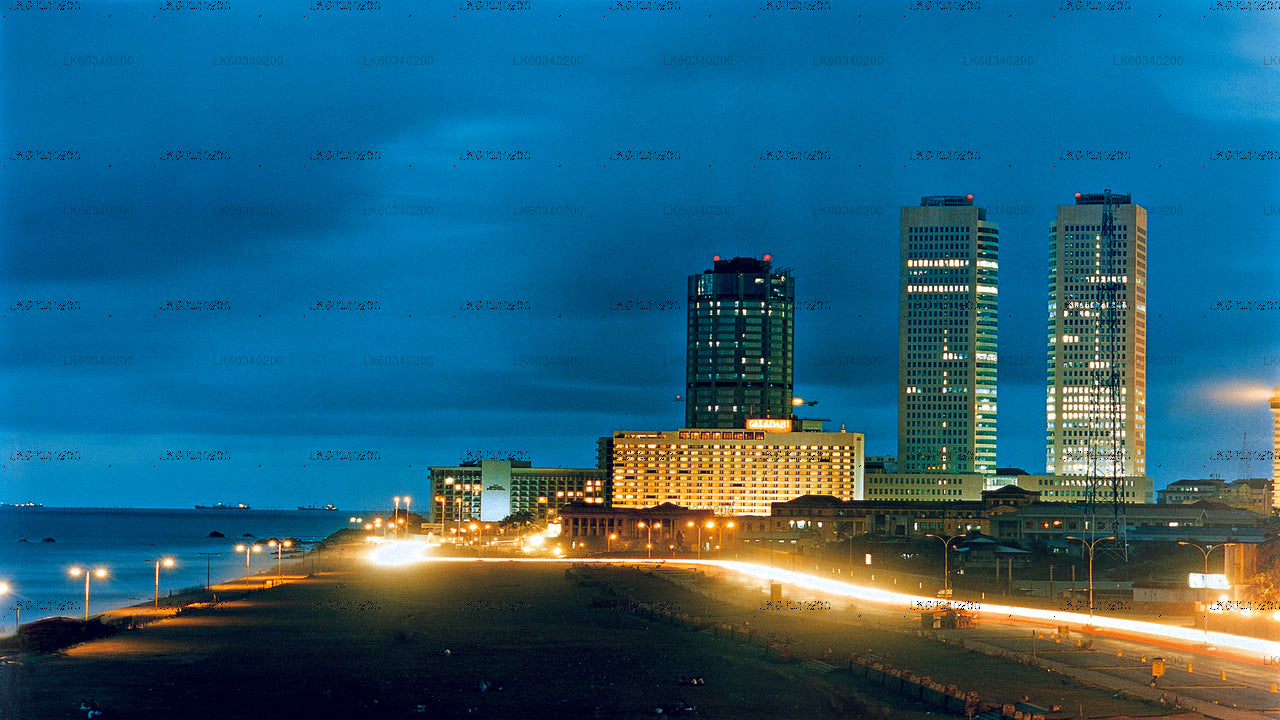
(662, 525)
(947, 345)
(1275, 449)
(490, 490)
(1096, 400)
(1076, 488)
(731, 472)
(740, 347)
(1254, 494)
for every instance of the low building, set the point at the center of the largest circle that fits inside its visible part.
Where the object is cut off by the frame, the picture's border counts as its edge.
(1135, 489)
(490, 490)
(1254, 494)
(731, 471)
(814, 519)
(1204, 521)
(664, 525)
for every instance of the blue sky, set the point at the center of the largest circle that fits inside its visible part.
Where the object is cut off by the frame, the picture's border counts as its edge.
(510, 201)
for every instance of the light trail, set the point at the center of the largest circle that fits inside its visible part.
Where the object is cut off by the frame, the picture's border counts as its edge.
(1254, 647)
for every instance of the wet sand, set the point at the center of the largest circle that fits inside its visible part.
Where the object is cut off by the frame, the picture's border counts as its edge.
(440, 640)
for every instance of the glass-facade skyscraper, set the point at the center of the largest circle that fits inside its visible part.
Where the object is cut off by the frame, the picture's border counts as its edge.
(740, 344)
(947, 353)
(1096, 394)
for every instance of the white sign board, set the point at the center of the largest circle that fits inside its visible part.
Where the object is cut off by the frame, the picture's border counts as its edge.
(1217, 582)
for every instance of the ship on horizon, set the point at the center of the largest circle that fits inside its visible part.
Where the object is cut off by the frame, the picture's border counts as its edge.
(330, 507)
(224, 506)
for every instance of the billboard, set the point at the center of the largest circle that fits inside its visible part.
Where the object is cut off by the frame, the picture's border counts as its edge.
(1200, 580)
(769, 424)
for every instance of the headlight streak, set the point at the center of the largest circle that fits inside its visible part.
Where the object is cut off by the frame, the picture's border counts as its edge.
(398, 553)
(1252, 646)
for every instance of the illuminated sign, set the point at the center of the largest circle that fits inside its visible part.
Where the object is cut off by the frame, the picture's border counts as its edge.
(1200, 580)
(769, 424)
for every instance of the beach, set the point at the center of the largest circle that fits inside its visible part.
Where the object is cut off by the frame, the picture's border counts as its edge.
(492, 639)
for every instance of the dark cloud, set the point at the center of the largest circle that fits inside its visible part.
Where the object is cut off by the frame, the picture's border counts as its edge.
(509, 204)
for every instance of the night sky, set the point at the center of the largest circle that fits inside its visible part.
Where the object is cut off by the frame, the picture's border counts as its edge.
(295, 253)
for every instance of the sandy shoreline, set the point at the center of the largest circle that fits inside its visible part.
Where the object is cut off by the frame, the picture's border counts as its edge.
(463, 639)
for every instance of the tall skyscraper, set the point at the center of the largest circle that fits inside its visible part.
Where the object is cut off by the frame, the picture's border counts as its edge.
(1096, 400)
(740, 344)
(947, 337)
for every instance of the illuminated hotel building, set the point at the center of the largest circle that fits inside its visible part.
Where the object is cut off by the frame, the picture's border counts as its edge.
(1096, 402)
(490, 490)
(731, 472)
(947, 338)
(738, 361)
(1275, 449)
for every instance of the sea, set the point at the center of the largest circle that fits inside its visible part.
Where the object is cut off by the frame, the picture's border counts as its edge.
(126, 543)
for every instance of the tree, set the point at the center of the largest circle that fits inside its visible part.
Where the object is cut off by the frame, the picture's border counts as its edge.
(523, 517)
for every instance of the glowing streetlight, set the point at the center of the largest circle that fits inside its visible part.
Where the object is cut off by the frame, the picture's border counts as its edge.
(650, 526)
(167, 562)
(248, 549)
(946, 568)
(17, 609)
(280, 546)
(1206, 550)
(480, 535)
(98, 572)
(406, 514)
(1090, 545)
(612, 537)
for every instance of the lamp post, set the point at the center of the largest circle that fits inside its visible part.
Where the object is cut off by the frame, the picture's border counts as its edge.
(208, 564)
(1090, 545)
(406, 515)
(167, 562)
(280, 546)
(609, 541)
(248, 549)
(1206, 550)
(946, 556)
(480, 534)
(728, 525)
(650, 526)
(99, 572)
(17, 609)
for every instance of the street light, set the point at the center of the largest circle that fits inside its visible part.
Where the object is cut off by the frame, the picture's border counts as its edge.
(946, 556)
(17, 609)
(1090, 545)
(167, 562)
(1206, 551)
(406, 514)
(612, 537)
(208, 564)
(650, 526)
(280, 546)
(99, 572)
(474, 527)
(247, 549)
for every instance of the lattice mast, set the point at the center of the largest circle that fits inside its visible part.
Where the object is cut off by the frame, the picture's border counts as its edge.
(1107, 442)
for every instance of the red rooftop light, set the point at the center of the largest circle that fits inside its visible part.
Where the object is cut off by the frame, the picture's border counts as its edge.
(1077, 194)
(767, 258)
(716, 258)
(968, 197)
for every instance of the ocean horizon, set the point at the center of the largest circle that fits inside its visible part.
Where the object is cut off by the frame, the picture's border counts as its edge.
(126, 542)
